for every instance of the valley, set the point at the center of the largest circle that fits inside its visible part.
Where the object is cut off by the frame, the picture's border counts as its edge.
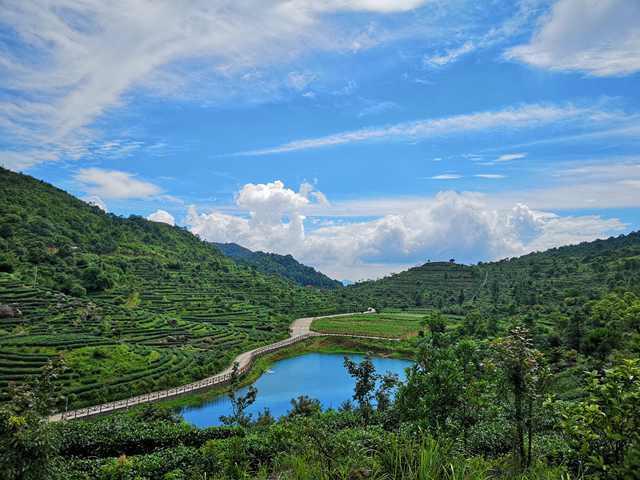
(109, 332)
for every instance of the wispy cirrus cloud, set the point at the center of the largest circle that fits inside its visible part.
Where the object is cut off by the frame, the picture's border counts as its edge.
(519, 20)
(446, 176)
(491, 176)
(521, 117)
(73, 62)
(507, 157)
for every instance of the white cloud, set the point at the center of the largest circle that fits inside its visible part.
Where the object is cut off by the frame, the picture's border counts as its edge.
(519, 20)
(599, 37)
(489, 175)
(114, 184)
(96, 202)
(382, 6)
(300, 80)
(514, 118)
(460, 225)
(377, 108)
(449, 56)
(274, 220)
(446, 176)
(74, 61)
(507, 157)
(162, 216)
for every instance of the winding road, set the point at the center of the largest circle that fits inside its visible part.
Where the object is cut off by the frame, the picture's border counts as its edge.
(299, 330)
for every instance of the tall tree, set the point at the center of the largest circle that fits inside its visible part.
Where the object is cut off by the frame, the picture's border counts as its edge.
(523, 373)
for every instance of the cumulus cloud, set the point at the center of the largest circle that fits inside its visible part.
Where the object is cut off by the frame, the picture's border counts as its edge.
(114, 184)
(450, 224)
(274, 217)
(162, 216)
(599, 37)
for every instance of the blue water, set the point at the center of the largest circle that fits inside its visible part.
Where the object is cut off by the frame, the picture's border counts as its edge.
(317, 375)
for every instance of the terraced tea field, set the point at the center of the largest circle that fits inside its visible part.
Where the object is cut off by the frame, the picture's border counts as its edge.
(178, 325)
(432, 284)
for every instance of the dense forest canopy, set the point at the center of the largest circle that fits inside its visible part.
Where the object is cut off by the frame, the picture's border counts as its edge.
(284, 265)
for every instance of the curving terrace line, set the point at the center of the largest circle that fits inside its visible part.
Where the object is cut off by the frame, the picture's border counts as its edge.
(299, 330)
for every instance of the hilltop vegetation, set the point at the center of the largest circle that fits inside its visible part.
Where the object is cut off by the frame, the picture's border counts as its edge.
(132, 305)
(283, 265)
(538, 282)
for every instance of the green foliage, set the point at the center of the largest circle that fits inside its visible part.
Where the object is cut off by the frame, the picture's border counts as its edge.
(239, 403)
(134, 306)
(83, 279)
(604, 427)
(282, 265)
(26, 443)
(524, 376)
(391, 325)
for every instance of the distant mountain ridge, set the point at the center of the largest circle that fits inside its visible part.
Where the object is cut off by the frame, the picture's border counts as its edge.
(539, 280)
(273, 264)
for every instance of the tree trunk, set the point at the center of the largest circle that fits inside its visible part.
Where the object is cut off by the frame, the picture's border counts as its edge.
(529, 431)
(518, 394)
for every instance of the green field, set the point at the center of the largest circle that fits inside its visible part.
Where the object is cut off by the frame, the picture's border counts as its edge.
(389, 325)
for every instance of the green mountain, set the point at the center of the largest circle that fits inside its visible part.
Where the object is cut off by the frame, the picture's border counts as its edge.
(540, 281)
(153, 303)
(273, 264)
(135, 305)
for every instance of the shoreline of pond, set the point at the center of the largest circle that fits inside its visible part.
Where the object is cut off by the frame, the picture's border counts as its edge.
(338, 345)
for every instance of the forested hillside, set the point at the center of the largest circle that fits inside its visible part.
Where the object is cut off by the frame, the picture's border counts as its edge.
(273, 264)
(538, 281)
(154, 304)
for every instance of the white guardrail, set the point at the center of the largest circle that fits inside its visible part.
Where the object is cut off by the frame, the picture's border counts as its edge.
(219, 379)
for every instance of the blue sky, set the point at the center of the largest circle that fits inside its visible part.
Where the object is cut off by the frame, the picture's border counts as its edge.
(362, 136)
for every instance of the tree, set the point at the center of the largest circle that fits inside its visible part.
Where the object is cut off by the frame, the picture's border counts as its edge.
(431, 394)
(524, 375)
(365, 375)
(575, 330)
(473, 324)
(26, 442)
(495, 291)
(304, 406)
(468, 355)
(388, 382)
(239, 403)
(436, 323)
(604, 427)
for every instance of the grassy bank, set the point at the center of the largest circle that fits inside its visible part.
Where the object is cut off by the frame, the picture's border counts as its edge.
(388, 325)
(336, 345)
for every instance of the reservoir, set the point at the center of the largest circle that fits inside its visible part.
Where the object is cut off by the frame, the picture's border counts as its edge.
(318, 375)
